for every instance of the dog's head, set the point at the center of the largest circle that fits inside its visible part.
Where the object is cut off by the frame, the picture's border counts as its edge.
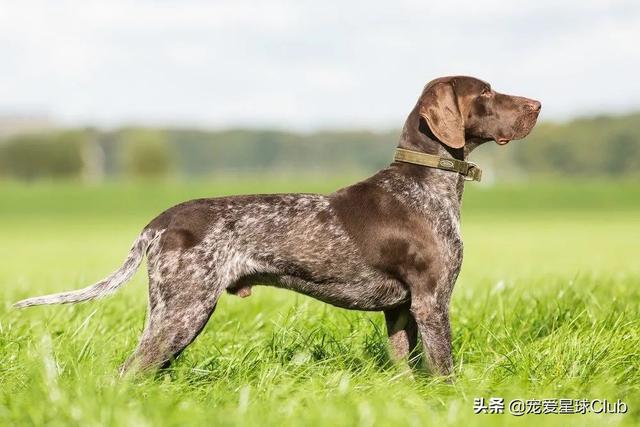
(460, 108)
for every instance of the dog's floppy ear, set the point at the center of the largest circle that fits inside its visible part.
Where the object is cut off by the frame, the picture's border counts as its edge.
(439, 108)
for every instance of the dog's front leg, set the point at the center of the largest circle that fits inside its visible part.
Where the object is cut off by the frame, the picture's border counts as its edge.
(402, 330)
(432, 318)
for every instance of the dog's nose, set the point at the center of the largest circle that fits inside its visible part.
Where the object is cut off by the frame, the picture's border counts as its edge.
(534, 105)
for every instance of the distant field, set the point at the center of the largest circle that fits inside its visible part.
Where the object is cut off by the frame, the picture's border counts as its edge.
(547, 306)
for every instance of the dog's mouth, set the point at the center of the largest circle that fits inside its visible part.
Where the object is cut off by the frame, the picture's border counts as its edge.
(522, 127)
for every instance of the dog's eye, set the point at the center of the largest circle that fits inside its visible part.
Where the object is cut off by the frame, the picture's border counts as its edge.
(485, 92)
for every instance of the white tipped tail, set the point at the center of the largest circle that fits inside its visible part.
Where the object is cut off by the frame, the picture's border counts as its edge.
(106, 286)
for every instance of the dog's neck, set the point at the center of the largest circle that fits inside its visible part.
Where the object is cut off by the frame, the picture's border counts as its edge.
(417, 136)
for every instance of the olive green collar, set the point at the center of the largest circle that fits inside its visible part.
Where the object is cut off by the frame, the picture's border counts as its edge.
(468, 170)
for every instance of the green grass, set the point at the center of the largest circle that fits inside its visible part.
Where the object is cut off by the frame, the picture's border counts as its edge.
(547, 306)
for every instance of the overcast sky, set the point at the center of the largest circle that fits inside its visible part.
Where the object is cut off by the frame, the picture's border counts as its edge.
(307, 64)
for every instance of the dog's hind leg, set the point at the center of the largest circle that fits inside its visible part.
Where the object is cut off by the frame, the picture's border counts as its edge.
(173, 323)
(181, 300)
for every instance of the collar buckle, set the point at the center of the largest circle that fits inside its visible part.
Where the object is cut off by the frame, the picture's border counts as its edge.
(474, 173)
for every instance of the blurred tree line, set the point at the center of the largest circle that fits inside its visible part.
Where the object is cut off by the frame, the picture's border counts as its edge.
(600, 146)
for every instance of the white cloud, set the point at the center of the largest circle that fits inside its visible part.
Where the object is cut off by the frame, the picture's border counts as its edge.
(304, 64)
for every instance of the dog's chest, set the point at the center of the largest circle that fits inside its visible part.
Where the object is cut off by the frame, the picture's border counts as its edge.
(437, 209)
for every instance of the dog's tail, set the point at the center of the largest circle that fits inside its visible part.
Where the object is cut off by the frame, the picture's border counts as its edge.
(106, 286)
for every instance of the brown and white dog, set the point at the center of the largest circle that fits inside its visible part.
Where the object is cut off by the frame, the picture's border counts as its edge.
(390, 243)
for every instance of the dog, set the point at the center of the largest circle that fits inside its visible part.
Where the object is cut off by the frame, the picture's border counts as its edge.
(390, 243)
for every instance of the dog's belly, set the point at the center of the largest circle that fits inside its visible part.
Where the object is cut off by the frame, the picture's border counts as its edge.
(355, 296)
(376, 294)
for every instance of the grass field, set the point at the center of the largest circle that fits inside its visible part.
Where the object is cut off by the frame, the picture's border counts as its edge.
(547, 306)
